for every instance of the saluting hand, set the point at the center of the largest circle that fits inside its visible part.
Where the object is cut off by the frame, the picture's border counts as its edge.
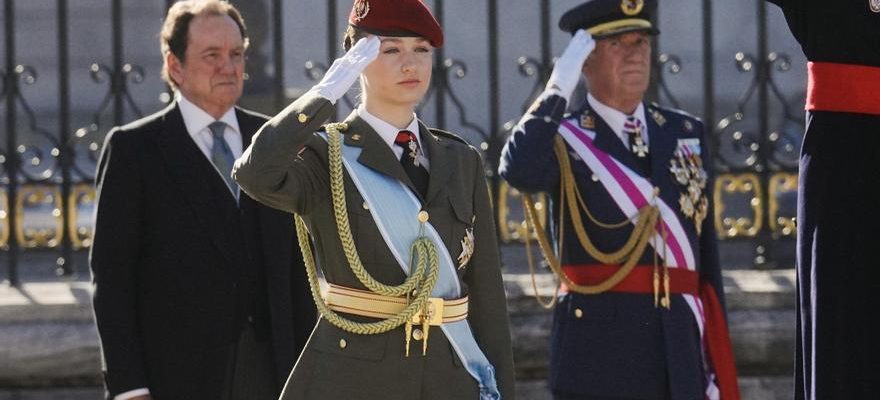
(567, 71)
(346, 69)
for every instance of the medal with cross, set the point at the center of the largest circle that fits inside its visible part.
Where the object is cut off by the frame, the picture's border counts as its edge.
(639, 147)
(413, 151)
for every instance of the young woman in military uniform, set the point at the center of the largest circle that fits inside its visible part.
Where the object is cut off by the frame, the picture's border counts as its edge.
(401, 224)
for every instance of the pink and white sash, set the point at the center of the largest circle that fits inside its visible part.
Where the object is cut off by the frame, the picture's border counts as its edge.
(630, 192)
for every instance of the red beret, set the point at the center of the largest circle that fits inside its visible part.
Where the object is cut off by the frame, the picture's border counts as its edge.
(400, 18)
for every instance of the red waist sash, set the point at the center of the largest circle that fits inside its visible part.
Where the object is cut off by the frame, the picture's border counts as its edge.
(639, 280)
(843, 88)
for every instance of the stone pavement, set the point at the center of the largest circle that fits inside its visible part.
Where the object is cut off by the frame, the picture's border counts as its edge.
(49, 345)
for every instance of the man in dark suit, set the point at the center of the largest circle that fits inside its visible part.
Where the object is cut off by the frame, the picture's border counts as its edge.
(640, 316)
(199, 290)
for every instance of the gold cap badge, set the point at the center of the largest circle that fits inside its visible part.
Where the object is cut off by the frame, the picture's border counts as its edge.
(632, 7)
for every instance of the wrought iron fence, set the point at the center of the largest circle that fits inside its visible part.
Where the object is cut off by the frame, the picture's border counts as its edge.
(47, 197)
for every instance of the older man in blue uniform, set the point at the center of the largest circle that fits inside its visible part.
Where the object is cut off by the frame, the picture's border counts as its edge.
(640, 315)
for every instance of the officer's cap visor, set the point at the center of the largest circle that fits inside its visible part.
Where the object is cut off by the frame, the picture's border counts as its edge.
(618, 27)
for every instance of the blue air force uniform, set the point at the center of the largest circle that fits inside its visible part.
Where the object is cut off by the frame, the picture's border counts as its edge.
(617, 344)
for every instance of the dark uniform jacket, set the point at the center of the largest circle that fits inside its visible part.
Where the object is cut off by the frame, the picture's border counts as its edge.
(179, 267)
(837, 192)
(286, 167)
(616, 344)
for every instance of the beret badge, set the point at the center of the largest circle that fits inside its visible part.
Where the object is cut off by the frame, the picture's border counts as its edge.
(361, 9)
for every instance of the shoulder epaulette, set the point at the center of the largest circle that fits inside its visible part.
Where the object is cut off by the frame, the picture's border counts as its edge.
(677, 112)
(448, 135)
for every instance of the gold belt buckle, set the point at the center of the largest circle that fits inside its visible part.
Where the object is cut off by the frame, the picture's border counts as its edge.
(434, 317)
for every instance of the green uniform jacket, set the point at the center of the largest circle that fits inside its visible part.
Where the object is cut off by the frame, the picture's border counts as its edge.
(286, 167)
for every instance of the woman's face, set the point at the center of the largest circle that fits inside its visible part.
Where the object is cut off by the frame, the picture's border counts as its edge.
(400, 75)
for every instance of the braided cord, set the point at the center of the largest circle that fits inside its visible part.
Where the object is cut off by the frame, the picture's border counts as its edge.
(424, 255)
(629, 254)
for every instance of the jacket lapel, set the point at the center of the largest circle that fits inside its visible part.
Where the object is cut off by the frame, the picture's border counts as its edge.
(662, 147)
(375, 153)
(442, 161)
(199, 183)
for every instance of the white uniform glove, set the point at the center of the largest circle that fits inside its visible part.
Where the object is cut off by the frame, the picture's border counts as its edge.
(567, 71)
(346, 69)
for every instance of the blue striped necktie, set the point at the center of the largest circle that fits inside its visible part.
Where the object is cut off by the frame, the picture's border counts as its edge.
(221, 155)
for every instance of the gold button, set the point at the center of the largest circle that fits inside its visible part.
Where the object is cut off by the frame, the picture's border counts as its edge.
(342, 343)
(366, 206)
(355, 137)
(417, 334)
(594, 178)
(423, 216)
(302, 118)
(578, 313)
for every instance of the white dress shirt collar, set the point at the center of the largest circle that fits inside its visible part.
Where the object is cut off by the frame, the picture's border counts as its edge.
(389, 132)
(616, 119)
(197, 119)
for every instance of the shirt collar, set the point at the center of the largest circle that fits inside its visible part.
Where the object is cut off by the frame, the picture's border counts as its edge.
(385, 130)
(615, 119)
(197, 120)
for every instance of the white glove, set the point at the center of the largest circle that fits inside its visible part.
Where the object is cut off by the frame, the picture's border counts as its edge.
(346, 69)
(567, 71)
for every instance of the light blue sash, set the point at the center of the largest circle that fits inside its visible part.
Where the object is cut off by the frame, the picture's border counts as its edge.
(395, 209)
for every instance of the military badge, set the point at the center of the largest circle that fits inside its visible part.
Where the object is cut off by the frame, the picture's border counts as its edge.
(588, 121)
(658, 118)
(361, 9)
(875, 5)
(632, 7)
(688, 126)
(687, 169)
(467, 248)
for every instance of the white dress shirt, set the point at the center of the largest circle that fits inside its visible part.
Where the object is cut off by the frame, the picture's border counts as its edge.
(615, 119)
(197, 121)
(389, 133)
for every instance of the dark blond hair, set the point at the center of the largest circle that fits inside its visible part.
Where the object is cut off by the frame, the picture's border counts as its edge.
(351, 36)
(174, 36)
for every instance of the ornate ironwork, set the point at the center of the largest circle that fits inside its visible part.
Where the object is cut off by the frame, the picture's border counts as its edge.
(671, 64)
(85, 145)
(458, 69)
(31, 156)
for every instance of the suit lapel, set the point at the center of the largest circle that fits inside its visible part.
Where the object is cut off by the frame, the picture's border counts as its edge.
(248, 125)
(442, 161)
(199, 183)
(375, 153)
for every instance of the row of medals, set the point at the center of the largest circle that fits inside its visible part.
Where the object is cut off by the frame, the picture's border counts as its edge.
(688, 171)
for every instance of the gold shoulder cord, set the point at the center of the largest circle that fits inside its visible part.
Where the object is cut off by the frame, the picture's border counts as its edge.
(420, 282)
(628, 255)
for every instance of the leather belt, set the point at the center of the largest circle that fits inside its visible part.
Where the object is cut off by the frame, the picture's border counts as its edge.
(368, 304)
